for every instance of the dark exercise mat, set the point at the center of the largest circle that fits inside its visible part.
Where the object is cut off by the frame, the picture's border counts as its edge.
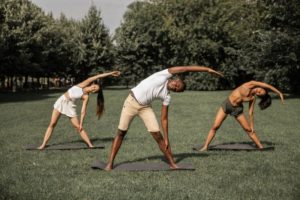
(69, 146)
(143, 166)
(242, 146)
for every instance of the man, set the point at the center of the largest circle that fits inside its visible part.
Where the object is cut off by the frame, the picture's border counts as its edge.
(158, 85)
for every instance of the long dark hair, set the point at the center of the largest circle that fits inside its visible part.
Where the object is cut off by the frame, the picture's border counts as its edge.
(100, 103)
(265, 101)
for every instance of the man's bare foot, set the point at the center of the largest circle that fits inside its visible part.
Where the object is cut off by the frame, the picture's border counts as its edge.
(108, 167)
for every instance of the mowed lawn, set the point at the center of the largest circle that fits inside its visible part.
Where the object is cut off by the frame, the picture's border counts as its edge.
(219, 175)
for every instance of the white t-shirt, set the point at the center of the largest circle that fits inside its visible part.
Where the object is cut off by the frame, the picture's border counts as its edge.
(153, 87)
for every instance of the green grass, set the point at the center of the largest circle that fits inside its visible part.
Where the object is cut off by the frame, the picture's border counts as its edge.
(218, 175)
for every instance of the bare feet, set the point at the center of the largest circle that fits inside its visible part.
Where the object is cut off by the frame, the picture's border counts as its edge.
(91, 146)
(203, 149)
(108, 167)
(174, 166)
(41, 147)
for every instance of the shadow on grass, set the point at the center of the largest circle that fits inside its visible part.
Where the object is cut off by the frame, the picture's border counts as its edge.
(178, 157)
(93, 140)
(80, 141)
(237, 146)
(251, 143)
(8, 97)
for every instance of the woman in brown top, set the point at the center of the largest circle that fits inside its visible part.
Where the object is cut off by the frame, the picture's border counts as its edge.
(233, 105)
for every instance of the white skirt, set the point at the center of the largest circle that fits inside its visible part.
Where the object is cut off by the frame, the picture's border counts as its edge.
(65, 106)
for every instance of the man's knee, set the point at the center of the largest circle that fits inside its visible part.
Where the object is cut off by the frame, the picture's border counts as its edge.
(157, 135)
(121, 133)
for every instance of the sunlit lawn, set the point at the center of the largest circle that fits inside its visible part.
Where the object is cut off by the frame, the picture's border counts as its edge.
(218, 175)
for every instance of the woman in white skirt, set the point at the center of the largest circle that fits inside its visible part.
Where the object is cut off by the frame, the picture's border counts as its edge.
(66, 105)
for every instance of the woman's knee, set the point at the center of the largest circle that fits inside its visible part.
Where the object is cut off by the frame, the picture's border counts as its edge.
(215, 127)
(77, 128)
(247, 129)
(52, 124)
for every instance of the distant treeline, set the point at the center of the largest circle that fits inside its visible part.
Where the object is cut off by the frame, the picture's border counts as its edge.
(245, 39)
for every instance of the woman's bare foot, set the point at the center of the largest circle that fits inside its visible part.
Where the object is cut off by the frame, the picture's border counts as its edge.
(174, 166)
(203, 149)
(41, 147)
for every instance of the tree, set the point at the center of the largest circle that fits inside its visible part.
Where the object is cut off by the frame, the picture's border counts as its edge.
(95, 44)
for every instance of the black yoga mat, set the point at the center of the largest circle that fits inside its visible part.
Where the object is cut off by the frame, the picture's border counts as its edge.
(235, 146)
(67, 146)
(143, 166)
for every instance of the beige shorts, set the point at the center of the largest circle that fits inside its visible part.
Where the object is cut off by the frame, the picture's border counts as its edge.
(65, 106)
(131, 108)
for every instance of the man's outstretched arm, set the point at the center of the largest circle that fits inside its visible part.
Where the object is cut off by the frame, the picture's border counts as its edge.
(182, 69)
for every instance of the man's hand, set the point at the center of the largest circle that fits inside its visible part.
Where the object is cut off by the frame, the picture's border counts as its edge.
(213, 72)
(167, 144)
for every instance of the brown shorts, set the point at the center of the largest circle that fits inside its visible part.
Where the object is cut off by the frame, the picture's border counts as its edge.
(131, 108)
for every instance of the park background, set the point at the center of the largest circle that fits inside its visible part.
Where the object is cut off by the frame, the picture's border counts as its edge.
(246, 40)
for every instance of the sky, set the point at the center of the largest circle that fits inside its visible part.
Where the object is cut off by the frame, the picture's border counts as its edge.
(111, 10)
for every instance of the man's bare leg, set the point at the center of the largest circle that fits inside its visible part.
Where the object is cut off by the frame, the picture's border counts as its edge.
(166, 151)
(115, 148)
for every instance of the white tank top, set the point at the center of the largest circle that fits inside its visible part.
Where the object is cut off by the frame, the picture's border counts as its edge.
(75, 92)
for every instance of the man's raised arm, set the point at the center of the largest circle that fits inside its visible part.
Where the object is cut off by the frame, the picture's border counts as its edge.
(182, 69)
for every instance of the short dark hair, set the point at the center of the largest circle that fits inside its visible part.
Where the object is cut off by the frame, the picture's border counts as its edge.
(183, 85)
(265, 101)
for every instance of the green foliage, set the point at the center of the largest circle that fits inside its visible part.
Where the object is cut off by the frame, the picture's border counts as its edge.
(19, 50)
(35, 44)
(243, 39)
(96, 44)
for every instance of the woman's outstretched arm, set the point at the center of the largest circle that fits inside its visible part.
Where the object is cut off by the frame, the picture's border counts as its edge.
(98, 76)
(267, 86)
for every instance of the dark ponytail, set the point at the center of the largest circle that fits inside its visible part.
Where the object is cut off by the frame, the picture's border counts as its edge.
(265, 101)
(100, 103)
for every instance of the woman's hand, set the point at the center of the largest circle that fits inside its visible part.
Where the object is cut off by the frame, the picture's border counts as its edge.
(281, 97)
(80, 127)
(115, 73)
